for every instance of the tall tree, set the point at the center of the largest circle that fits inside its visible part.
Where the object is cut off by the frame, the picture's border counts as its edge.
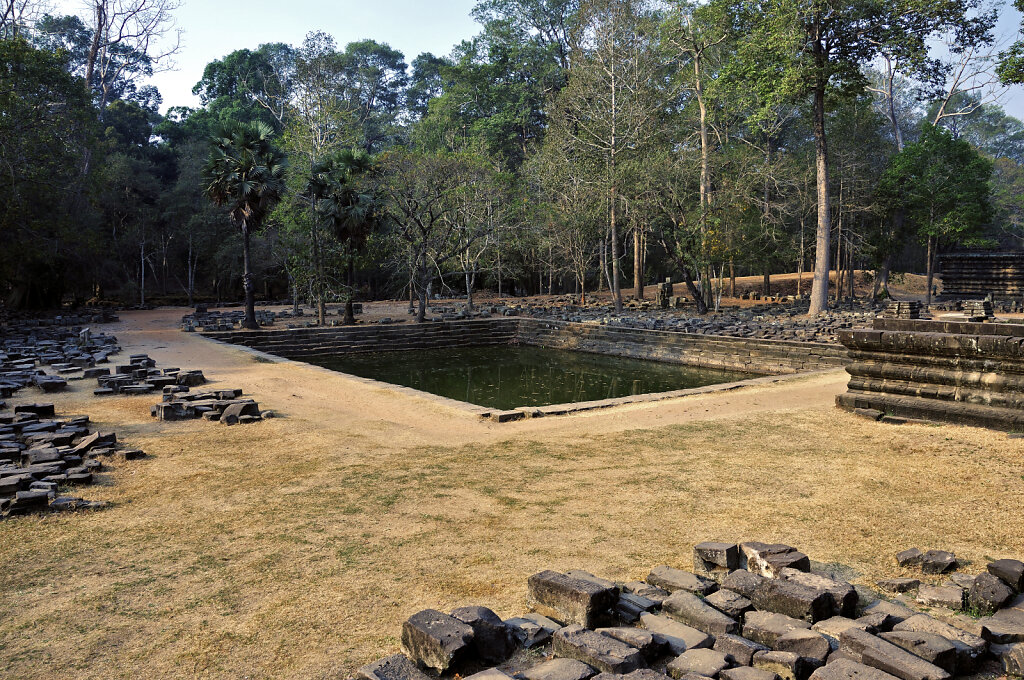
(245, 174)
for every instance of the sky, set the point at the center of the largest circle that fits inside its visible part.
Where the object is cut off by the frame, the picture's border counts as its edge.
(212, 29)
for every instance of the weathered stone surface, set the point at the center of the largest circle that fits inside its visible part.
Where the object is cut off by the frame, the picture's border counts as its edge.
(845, 669)
(929, 646)
(672, 579)
(938, 562)
(833, 627)
(596, 580)
(396, 667)
(965, 581)
(644, 640)
(805, 643)
(560, 669)
(1012, 658)
(988, 594)
(693, 611)
(629, 606)
(843, 594)
(531, 630)
(489, 674)
(951, 596)
(706, 662)
(740, 649)
(747, 673)
(768, 559)
(730, 603)
(646, 590)
(715, 560)
(767, 627)
(969, 647)
(909, 558)
(899, 585)
(793, 599)
(603, 652)
(1004, 627)
(436, 640)
(572, 600)
(492, 639)
(786, 665)
(678, 636)
(885, 656)
(638, 674)
(743, 582)
(1011, 572)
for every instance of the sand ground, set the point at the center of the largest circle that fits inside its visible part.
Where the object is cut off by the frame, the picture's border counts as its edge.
(295, 547)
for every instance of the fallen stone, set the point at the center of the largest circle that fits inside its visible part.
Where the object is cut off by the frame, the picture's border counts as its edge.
(969, 647)
(395, 667)
(715, 560)
(767, 627)
(843, 594)
(686, 607)
(805, 643)
(768, 559)
(932, 648)
(747, 673)
(638, 674)
(845, 669)
(885, 656)
(629, 606)
(646, 590)
(672, 580)
(492, 639)
(1012, 658)
(794, 599)
(644, 640)
(572, 600)
(988, 594)
(1003, 627)
(603, 652)
(894, 610)
(730, 603)
(490, 674)
(965, 581)
(1011, 572)
(532, 630)
(560, 669)
(786, 665)
(706, 662)
(743, 582)
(898, 585)
(436, 640)
(938, 562)
(909, 558)
(951, 596)
(677, 636)
(740, 649)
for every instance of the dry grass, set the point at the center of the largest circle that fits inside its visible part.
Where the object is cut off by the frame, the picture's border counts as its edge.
(295, 547)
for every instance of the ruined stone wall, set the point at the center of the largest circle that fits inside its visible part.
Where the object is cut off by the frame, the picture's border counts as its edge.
(763, 357)
(975, 275)
(966, 373)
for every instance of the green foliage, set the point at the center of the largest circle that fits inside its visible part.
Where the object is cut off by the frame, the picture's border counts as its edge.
(245, 173)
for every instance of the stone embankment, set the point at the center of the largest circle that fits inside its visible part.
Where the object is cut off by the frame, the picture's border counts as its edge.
(752, 611)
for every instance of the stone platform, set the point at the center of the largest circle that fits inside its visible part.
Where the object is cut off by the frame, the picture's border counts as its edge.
(975, 275)
(963, 373)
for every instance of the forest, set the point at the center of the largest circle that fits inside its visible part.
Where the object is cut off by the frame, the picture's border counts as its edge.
(571, 146)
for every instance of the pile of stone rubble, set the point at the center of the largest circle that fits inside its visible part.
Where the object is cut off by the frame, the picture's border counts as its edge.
(141, 376)
(224, 406)
(27, 350)
(752, 611)
(42, 455)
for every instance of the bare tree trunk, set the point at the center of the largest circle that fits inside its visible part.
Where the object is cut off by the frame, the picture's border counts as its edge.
(469, 291)
(142, 274)
(732, 279)
(249, 322)
(616, 291)
(638, 264)
(823, 245)
(766, 282)
(931, 268)
(800, 262)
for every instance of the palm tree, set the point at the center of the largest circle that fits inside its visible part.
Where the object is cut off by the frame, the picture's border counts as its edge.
(342, 205)
(245, 174)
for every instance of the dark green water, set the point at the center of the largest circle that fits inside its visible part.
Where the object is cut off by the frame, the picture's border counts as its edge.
(505, 377)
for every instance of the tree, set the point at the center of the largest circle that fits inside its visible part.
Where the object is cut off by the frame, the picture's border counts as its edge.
(245, 174)
(942, 184)
(1011, 62)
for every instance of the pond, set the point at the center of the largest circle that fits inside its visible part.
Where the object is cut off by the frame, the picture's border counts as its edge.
(506, 377)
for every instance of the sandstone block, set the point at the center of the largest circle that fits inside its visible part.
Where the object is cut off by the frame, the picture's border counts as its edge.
(492, 640)
(938, 562)
(436, 640)
(743, 582)
(844, 594)
(768, 559)
(677, 636)
(929, 646)
(805, 643)
(951, 596)
(572, 600)
(747, 673)
(730, 603)
(706, 662)
(845, 669)
(693, 611)
(794, 599)
(395, 667)
(740, 649)
(715, 560)
(602, 652)
(560, 669)
(671, 579)
(988, 594)
(641, 639)
(767, 627)
(885, 656)
(1010, 571)
(787, 665)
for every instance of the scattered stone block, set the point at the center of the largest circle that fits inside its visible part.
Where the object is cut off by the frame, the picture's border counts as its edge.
(730, 603)
(1012, 658)
(843, 594)
(740, 649)
(845, 669)
(690, 609)
(894, 610)
(671, 579)
(885, 656)
(768, 559)
(794, 599)
(715, 560)
(743, 582)
(629, 606)
(951, 596)
(677, 636)
(767, 627)
(806, 643)
(560, 669)
(932, 648)
(899, 585)
(706, 662)
(787, 665)
(638, 674)
(395, 667)
(747, 673)
(490, 674)
(644, 640)
(492, 639)
(909, 558)
(1003, 627)
(532, 629)
(572, 600)
(602, 652)
(938, 562)
(436, 640)
(1011, 572)
(988, 594)
(646, 590)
